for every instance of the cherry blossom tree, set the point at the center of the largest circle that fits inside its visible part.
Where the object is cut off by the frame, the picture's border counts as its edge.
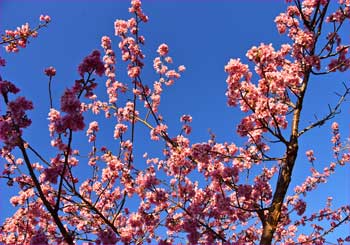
(223, 203)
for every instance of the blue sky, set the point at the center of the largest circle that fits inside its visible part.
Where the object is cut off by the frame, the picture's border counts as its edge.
(202, 35)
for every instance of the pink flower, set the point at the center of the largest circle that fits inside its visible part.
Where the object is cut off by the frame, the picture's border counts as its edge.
(45, 18)
(163, 49)
(93, 127)
(186, 118)
(74, 122)
(158, 131)
(168, 59)
(119, 130)
(134, 71)
(300, 207)
(106, 42)
(181, 68)
(8, 87)
(39, 238)
(18, 38)
(17, 109)
(335, 126)
(136, 8)
(51, 174)
(121, 27)
(310, 155)
(50, 71)
(108, 236)
(69, 102)
(8, 134)
(172, 74)
(187, 129)
(92, 63)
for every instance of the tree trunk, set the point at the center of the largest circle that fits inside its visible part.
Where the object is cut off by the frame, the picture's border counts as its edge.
(284, 178)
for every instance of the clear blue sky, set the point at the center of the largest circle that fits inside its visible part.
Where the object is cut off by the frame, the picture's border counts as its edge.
(202, 35)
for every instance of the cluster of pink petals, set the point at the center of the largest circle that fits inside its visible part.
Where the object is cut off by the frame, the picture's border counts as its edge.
(168, 77)
(39, 238)
(12, 123)
(304, 39)
(341, 14)
(92, 63)
(136, 8)
(336, 138)
(119, 130)
(267, 101)
(163, 49)
(158, 131)
(109, 60)
(45, 18)
(19, 37)
(310, 155)
(92, 130)
(121, 27)
(107, 237)
(186, 119)
(73, 118)
(50, 71)
(223, 204)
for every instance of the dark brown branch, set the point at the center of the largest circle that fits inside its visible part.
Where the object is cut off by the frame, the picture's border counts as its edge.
(329, 116)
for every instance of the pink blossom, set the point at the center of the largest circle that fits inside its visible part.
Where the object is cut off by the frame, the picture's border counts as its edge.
(45, 18)
(18, 38)
(121, 27)
(93, 127)
(335, 126)
(107, 236)
(300, 207)
(172, 74)
(106, 42)
(163, 49)
(75, 122)
(52, 172)
(186, 118)
(11, 124)
(201, 152)
(310, 155)
(69, 102)
(227, 196)
(91, 132)
(158, 131)
(54, 117)
(168, 59)
(119, 130)
(50, 71)
(181, 68)
(92, 63)
(134, 71)
(8, 87)
(39, 238)
(136, 8)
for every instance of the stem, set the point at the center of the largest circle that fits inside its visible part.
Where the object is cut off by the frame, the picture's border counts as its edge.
(50, 94)
(284, 178)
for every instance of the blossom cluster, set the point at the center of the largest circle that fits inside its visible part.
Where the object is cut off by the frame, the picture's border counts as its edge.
(267, 100)
(15, 119)
(92, 63)
(232, 196)
(19, 37)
